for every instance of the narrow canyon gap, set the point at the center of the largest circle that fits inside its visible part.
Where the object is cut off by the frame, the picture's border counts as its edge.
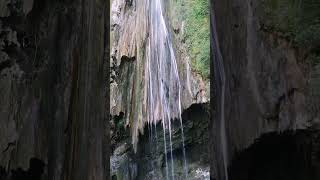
(265, 89)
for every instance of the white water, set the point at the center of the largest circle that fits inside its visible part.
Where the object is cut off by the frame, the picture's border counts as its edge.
(164, 89)
(161, 89)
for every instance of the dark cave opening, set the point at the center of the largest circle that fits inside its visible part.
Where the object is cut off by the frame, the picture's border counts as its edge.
(34, 172)
(290, 155)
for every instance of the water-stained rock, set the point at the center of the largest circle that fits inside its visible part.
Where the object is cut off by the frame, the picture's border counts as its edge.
(150, 159)
(158, 73)
(267, 75)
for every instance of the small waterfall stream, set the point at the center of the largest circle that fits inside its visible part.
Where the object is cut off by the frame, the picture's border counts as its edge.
(220, 88)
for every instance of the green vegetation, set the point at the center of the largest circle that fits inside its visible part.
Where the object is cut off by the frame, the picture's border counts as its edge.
(196, 16)
(298, 20)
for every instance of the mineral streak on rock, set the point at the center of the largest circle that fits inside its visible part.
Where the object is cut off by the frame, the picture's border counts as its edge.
(155, 85)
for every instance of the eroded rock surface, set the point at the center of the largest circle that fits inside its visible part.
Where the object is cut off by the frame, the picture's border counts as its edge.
(270, 82)
(52, 86)
(149, 160)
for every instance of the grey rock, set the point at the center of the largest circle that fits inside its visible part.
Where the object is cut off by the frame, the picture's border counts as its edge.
(267, 87)
(4, 10)
(150, 157)
(52, 86)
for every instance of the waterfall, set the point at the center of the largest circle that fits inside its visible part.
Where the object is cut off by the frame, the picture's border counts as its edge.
(154, 87)
(163, 87)
(220, 88)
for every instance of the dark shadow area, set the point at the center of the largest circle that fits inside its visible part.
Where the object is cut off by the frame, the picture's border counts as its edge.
(292, 155)
(119, 132)
(151, 155)
(35, 171)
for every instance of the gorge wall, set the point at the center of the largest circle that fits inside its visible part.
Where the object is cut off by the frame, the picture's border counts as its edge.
(52, 86)
(271, 82)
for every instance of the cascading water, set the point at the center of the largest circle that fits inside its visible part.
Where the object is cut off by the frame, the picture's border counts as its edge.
(220, 88)
(163, 85)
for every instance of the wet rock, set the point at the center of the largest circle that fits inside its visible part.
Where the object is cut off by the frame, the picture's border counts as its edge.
(200, 174)
(267, 79)
(4, 9)
(150, 157)
(27, 6)
(122, 165)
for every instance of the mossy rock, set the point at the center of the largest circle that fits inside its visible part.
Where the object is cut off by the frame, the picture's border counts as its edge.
(297, 20)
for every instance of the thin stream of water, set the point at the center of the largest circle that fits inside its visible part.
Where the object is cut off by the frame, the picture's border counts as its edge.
(220, 88)
(165, 150)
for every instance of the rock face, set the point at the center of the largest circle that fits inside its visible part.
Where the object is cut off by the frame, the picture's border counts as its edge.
(136, 47)
(52, 86)
(289, 155)
(270, 85)
(149, 160)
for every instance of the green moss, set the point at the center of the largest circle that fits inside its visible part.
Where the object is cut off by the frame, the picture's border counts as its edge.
(298, 20)
(195, 14)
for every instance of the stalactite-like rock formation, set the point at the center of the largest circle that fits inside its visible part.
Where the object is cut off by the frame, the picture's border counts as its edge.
(148, 82)
(52, 86)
